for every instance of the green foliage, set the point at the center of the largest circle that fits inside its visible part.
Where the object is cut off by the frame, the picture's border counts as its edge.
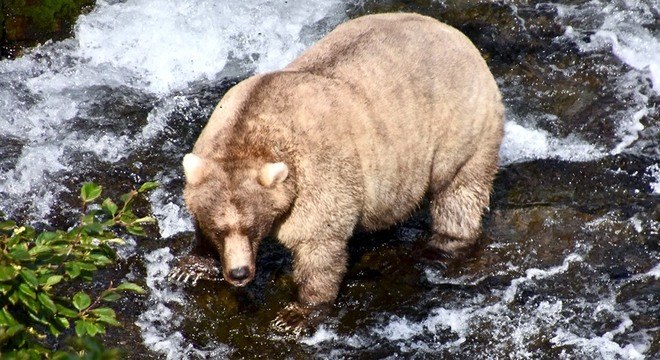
(46, 15)
(38, 270)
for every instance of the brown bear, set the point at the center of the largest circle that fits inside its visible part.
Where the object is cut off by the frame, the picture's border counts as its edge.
(354, 133)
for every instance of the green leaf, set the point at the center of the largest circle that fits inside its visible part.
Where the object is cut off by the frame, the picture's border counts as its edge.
(100, 260)
(94, 229)
(30, 277)
(104, 311)
(107, 316)
(146, 219)
(126, 197)
(94, 328)
(25, 289)
(5, 288)
(7, 225)
(37, 317)
(63, 310)
(7, 273)
(109, 207)
(47, 302)
(129, 286)
(54, 330)
(63, 322)
(46, 237)
(20, 254)
(6, 318)
(81, 328)
(149, 185)
(52, 280)
(81, 301)
(90, 192)
(88, 219)
(86, 266)
(12, 331)
(61, 355)
(72, 269)
(111, 296)
(40, 251)
(127, 217)
(109, 320)
(136, 230)
(29, 301)
(13, 296)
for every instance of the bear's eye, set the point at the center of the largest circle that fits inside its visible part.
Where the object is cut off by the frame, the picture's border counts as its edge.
(220, 233)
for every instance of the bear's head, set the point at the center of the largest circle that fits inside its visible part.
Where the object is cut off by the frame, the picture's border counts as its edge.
(235, 205)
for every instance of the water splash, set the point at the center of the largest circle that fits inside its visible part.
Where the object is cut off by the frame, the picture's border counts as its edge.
(164, 45)
(524, 144)
(53, 99)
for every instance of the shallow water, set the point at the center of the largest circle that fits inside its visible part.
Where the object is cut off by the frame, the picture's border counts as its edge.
(568, 266)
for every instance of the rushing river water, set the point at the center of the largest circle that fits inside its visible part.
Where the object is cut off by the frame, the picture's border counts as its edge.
(569, 263)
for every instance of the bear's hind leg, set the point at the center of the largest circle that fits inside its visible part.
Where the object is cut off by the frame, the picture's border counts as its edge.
(457, 208)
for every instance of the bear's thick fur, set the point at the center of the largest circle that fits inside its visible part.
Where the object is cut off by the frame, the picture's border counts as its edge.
(383, 111)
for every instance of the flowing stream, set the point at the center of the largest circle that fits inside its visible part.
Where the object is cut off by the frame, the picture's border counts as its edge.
(569, 264)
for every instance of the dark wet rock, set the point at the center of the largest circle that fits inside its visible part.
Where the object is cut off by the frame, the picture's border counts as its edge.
(119, 110)
(594, 187)
(11, 150)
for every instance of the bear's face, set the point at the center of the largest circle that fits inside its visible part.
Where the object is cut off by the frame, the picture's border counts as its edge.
(234, 208)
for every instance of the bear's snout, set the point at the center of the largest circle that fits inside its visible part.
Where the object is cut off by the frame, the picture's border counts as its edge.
(239, 273)
(239, 276)
(238, 260)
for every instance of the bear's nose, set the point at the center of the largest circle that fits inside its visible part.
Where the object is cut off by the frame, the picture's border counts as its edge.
(239, 273)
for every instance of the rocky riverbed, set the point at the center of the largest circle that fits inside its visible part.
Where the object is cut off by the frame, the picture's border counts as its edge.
(568, 266)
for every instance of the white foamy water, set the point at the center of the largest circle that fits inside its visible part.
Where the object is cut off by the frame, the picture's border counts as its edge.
(511, 326)
(166, 44)
(158, 321)
(620, 27)
(653, 172)
(152, 47)
(625, 28)
(171, 215)
(524, 144)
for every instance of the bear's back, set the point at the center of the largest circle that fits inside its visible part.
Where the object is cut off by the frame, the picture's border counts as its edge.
(423, 90)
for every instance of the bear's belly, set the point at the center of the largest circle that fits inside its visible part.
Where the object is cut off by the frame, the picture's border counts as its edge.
(393, 191)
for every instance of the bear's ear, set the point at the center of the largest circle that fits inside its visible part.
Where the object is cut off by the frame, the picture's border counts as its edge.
(195, 169)
(273, 173)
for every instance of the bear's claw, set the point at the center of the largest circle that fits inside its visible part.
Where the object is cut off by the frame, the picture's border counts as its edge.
(194, 268)
(297, 320)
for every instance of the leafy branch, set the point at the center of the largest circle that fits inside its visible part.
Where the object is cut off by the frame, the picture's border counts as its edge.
(36, 269)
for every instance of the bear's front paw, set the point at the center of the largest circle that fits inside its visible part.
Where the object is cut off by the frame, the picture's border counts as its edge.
(297, 320)
(192, 268)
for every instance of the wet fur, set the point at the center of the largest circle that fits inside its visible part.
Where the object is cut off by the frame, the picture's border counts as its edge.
(385, 110)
